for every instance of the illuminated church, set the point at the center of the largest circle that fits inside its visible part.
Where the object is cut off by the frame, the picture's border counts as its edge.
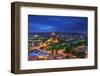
(53, 38)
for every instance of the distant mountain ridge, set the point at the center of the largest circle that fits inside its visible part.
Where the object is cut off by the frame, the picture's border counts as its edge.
(58, 33)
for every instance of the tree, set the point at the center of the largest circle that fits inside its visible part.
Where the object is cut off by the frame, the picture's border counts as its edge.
(67, 48)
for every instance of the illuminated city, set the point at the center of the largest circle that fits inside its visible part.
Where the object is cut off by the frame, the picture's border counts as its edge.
(48, 41)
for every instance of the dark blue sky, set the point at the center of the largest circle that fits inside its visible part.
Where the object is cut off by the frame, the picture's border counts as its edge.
(43, 23)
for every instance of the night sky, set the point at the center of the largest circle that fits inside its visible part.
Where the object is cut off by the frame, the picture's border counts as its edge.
(43, 23)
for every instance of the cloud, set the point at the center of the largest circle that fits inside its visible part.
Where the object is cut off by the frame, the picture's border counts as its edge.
(38, 23)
